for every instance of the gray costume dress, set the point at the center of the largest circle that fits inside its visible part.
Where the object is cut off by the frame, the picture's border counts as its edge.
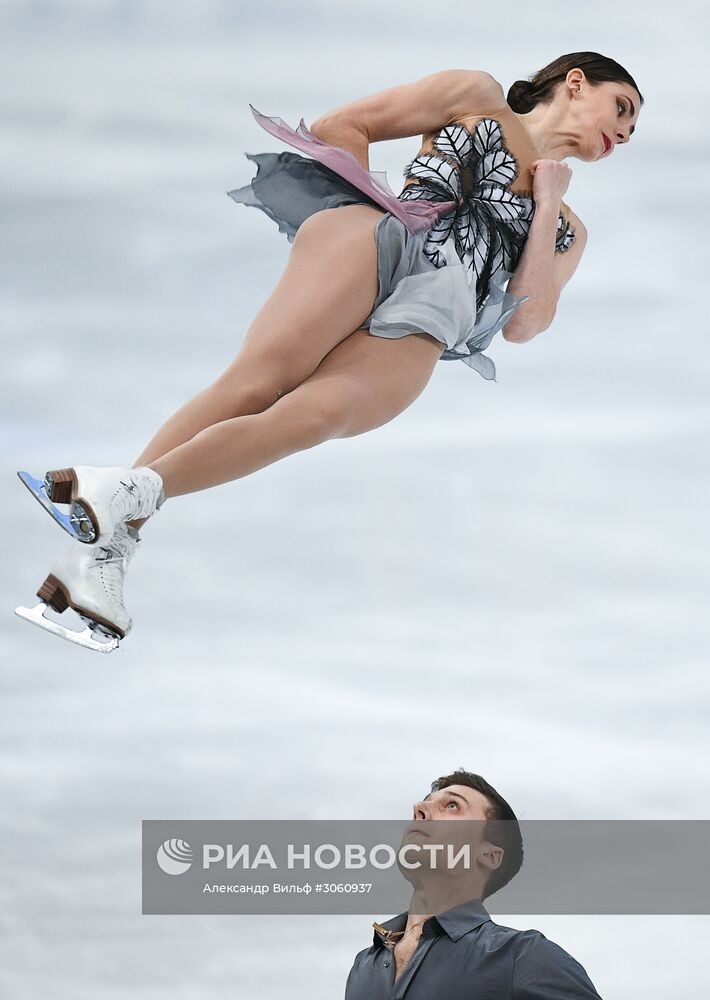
(446, 245)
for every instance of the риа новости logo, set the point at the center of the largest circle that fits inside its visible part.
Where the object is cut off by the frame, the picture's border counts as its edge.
(174, 856)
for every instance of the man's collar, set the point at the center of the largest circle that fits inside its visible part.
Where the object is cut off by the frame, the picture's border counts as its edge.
(459, 920)
(456, 922)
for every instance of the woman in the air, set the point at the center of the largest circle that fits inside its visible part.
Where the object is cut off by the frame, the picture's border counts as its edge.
(377, 289)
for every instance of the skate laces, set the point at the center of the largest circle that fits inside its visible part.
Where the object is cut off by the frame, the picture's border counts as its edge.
(138, 494)
(111, 564)
(120, 546)
(111, 560)
(109, 556)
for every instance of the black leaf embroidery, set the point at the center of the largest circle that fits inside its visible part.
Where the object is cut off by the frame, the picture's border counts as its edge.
(490, 223)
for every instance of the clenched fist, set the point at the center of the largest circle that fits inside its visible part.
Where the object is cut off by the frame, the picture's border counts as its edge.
(550, 180)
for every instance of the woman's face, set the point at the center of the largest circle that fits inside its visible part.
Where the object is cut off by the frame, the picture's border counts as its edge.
(602, 115)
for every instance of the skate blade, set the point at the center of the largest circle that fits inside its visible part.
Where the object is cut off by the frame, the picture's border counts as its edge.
(70, 522)
(86, 638)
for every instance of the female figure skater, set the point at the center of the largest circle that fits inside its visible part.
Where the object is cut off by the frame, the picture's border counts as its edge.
(377, 289)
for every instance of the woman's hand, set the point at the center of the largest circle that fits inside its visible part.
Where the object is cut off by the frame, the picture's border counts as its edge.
(550, 180)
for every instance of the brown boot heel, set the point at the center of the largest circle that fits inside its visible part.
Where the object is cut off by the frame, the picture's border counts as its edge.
(52, 593)
(61, 484)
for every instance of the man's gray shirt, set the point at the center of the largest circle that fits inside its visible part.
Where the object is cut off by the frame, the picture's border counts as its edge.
(463, 955)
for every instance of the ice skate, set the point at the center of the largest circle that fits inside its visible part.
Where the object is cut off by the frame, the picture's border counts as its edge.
(98, 499)
(89, 580)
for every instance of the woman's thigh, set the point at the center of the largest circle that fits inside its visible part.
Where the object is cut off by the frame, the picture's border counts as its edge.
(328, 288)
(366, 381)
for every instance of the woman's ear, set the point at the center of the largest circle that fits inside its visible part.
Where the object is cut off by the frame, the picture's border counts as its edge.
(574, 80)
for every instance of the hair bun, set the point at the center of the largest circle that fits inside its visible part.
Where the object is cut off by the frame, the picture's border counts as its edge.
(520, 96)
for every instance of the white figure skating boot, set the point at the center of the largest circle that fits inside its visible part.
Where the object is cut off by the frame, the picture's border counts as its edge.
(89, 579)
(99, 499)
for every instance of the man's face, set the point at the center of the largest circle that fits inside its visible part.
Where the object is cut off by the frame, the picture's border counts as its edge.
(431, 824)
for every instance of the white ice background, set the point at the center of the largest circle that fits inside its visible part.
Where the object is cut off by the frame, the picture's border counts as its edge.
(511, 577)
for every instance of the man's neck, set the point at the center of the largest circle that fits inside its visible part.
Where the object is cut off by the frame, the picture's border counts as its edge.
(427, 901)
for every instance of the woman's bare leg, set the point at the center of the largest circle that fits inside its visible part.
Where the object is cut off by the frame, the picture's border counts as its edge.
(361, 384)
(328, 288)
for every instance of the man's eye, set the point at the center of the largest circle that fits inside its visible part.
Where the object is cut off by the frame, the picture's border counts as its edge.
(621, 107)
(451, 803)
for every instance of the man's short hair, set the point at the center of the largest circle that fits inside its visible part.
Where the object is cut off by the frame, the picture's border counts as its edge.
(502, 827)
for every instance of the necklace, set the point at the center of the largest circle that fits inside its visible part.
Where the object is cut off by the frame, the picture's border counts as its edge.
(392, 937)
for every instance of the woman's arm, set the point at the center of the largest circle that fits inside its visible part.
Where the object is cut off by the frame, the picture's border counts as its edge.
(410, 109)
(542, 273)
(346, 136)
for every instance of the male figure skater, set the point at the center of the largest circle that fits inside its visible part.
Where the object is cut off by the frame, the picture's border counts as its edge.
(456, 951)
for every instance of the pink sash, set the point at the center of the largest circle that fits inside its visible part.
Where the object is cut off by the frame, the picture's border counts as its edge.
(417, 215)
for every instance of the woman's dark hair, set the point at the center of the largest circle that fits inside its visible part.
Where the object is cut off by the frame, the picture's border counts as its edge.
(525, 94)
(502, 827)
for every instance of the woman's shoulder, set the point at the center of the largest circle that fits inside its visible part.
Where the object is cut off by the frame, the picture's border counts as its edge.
(489, 91)
(486, 98)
